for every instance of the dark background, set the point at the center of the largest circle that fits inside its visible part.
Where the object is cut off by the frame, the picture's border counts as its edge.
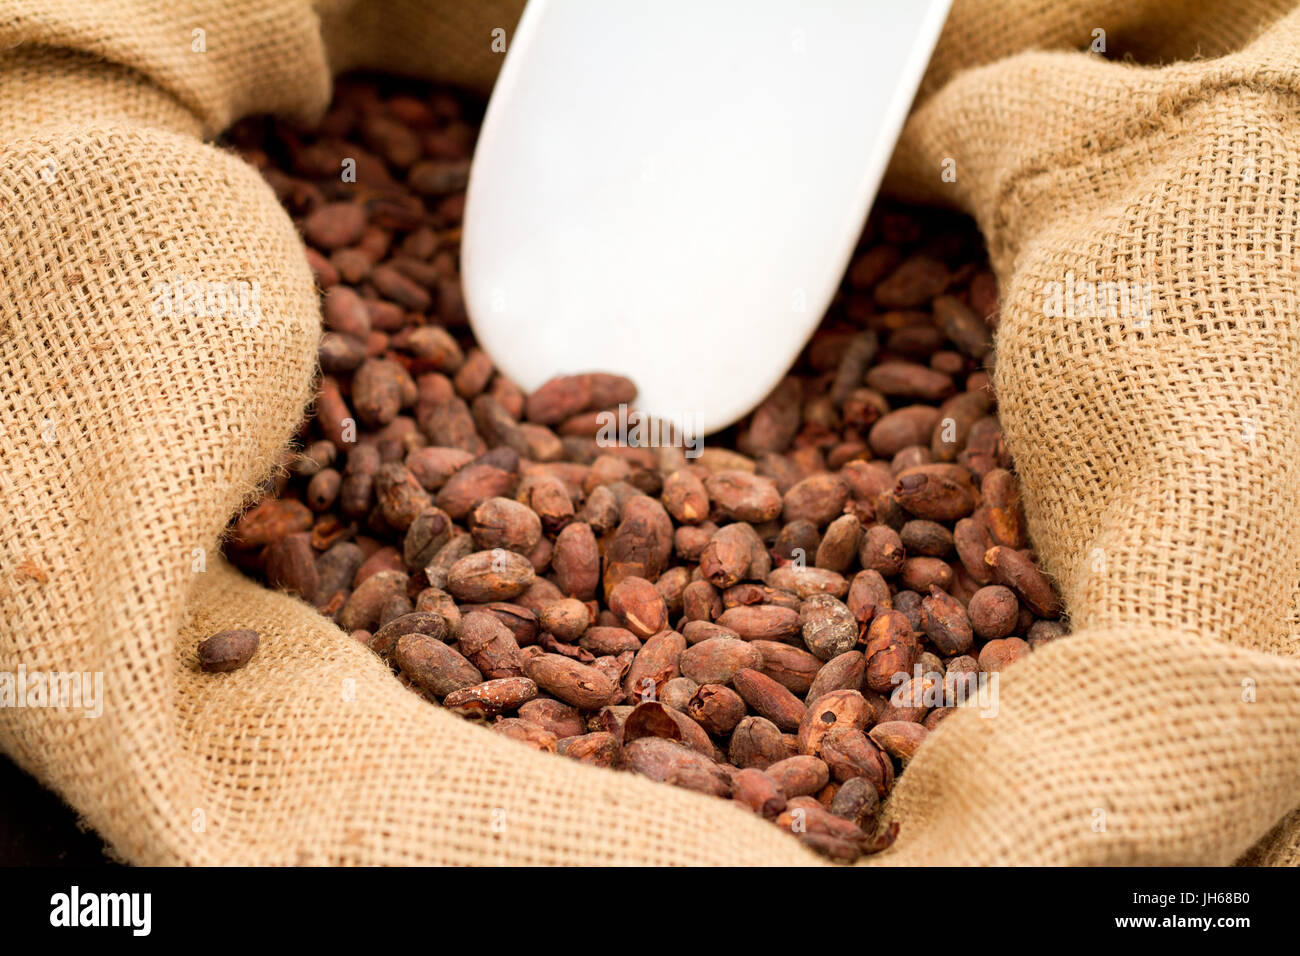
(38, 829)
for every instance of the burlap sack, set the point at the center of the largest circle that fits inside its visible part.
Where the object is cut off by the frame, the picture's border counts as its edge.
(1157, 451)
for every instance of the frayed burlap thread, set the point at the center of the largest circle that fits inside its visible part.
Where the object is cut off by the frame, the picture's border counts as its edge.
(1163, 731)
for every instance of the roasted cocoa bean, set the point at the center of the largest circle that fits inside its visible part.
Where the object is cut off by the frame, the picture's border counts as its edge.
(227, 650)
(432, 665)
(717, 659)
(582, 686)
(800, 775)
(769, 699)
(491, 698)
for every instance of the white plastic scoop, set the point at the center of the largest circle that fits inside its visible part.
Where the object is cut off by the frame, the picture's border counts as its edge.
(671, 189)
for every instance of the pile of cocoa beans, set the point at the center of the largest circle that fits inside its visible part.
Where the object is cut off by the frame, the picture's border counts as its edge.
(779, 620)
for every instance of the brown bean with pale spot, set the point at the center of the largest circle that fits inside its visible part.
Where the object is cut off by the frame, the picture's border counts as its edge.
(491, 697)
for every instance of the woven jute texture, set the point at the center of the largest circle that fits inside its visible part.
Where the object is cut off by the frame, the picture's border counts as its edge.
(1156, 444)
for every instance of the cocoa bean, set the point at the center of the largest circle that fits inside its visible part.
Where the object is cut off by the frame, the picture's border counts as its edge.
(600, 749)
(527, 733)
(997, 654)
(496, 575)
(227, 650)
(758, 791)
(716, 708)
(911, 425)
(491, 698)
(502, 523)
(909, 380)
(673, 763)
(268, 521)
(844, 672)
(334, 225)
(818, 499)
(856, 801)
(757, 742)
(799, 776)
(962, 326)
(939, 492)
(384, 640)
(828, 626)
(791, 667)
(725, 559)
(432, 665)
(881, 550)
(946, 623)
(838, 708)
(926, 538)
(891, 649)
(839, 546)
(577, 684)
(717, 659)
(677, 693)
(576, 561)
(639, 606)
(849, 753)
(362, 609)
(764, 622)
(769, 699)
(994, 612)
(608, 640)
(1019, 573)
(490, 646)
(775, 422)
(685, 498)
(899, 738)
(290, 563)
(741, 496)
(805, 582)
(656, 663)
(554, 716)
